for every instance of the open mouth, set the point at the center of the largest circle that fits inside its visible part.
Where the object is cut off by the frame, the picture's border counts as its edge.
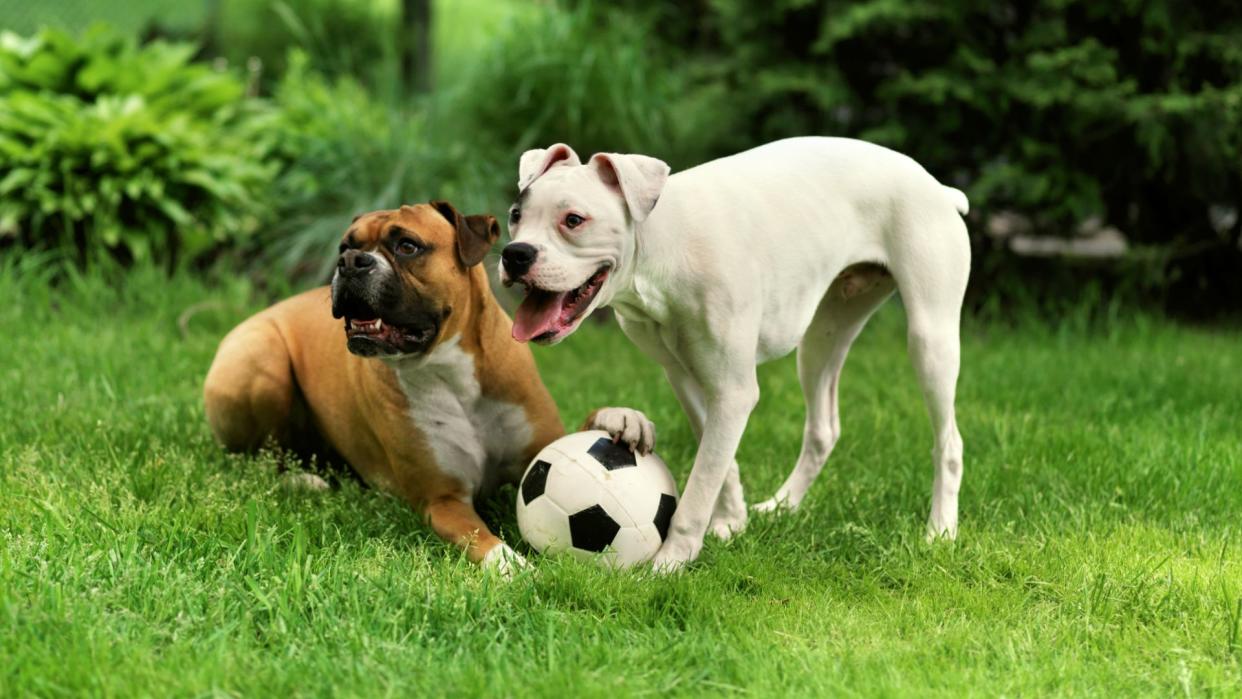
(545, 316)
(371, 336)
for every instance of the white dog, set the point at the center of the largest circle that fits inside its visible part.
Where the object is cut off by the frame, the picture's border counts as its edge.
(790, 245)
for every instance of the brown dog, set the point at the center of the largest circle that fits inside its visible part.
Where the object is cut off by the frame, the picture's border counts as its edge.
(423, 393)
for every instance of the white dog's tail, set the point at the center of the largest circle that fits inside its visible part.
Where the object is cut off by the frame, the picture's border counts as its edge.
(958, 197)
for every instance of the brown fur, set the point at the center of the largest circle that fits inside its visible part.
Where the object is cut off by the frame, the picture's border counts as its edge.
(285, 374)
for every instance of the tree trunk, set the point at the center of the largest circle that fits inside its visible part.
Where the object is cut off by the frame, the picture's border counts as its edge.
(416, 45)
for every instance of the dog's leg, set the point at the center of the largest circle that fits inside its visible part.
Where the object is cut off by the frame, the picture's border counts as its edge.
(251, 399)
(820, 358)
(455, 521)
(626, 425)
(931, 269)
(249, 392)
(730, 400)
(935, 353)
(729, 513)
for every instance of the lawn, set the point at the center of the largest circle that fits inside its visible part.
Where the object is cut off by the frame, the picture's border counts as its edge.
(1099, 549)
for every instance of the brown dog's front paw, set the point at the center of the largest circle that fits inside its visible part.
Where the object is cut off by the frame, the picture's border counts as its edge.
(504, 561)
(626, 425)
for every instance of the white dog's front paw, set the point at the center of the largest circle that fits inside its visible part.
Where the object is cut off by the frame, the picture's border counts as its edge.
(941, 531)
(674, 555)
(504, 561)
(727, 521)
(724, 528)
(626, 425)
(942, 521)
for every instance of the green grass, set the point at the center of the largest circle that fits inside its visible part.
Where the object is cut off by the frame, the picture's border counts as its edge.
(1099, 550)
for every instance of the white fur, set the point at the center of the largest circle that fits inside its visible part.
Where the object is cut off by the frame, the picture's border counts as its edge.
(504, 560)
(733, 266)
(303, 482)
(473, 437)
(640, 179)
(535, 162)
(626, 425)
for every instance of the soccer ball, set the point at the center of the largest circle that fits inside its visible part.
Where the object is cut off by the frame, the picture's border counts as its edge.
(596, 499)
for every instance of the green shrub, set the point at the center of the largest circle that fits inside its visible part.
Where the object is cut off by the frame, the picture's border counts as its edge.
(101, 62)
(356, 39)
(1057, 109)
(344, 152)
(111, 148)
(585, 75)
(341, 153)
(549, 74)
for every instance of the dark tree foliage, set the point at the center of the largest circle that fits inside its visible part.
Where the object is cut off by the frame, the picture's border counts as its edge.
(1060, 110)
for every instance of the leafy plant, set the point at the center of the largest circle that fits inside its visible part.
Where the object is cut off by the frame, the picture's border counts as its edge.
(555, 73)
(135, 152)
(341, 153)
(344, 152)
(537, 82)
(1058, 109)
(355, 39)
(101, 62)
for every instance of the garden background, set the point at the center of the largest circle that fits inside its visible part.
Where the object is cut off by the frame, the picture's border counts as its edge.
(168, 167)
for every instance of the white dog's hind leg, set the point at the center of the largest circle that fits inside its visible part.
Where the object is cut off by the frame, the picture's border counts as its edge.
(820, 359)
(935, 352)
(729, 514)
(932, 282)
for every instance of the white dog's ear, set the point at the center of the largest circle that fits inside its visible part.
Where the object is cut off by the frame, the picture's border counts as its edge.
(640, 179)
(535, 162)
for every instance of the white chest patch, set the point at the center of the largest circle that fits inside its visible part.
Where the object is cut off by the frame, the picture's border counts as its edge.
(472, 436)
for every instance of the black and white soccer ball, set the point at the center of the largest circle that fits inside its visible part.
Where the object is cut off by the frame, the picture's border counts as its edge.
(597, 500)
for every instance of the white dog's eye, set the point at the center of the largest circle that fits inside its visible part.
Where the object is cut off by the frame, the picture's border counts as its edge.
(515, 215)
(573, 220)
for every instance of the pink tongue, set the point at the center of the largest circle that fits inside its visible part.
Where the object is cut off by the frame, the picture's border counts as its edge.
(539, 313)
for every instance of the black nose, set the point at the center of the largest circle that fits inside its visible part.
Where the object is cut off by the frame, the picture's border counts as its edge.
(355, 263)
(518, 257)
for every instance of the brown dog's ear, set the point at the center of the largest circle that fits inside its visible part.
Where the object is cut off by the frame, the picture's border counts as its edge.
(475, 234)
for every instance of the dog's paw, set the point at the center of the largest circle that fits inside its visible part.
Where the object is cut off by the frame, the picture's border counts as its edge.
(724, 526)
(728, 518)
(626, 425)
(504, 561)
(940, 531)
(303, 482)
(775, 504)
(674, 555)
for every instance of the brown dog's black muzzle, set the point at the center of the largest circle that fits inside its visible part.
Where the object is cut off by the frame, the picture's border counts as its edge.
(355, 263)
(383, 317)
(360, 290)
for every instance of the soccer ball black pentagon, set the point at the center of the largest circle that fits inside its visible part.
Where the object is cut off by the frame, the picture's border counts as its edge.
(597, 500)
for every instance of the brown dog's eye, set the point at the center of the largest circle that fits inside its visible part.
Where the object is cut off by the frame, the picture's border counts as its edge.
(573, 220)
(406, 247)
